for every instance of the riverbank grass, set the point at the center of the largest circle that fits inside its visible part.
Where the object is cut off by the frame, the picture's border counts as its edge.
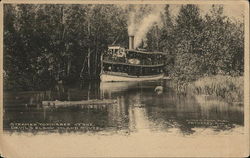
(226, 87)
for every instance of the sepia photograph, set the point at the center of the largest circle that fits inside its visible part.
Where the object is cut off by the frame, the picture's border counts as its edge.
(124, 79)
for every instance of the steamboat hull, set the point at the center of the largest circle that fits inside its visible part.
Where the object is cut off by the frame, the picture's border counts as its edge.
(114, 77)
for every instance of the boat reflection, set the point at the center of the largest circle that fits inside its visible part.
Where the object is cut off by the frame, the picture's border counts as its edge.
(138, 108)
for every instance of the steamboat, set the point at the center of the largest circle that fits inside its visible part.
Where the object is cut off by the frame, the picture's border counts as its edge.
(120, 64)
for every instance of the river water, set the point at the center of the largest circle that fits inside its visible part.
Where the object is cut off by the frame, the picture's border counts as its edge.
(138, 107)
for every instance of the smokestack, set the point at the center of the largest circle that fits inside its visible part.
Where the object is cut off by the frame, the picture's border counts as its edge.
(131, 42)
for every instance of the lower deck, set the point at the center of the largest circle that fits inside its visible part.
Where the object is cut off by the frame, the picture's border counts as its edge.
(116, 76)
(133, 70)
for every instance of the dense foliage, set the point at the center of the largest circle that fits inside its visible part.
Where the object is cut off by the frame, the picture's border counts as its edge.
(200, 46)
(44, 44)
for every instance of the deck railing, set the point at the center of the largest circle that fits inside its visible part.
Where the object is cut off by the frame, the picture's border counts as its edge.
(124, 60)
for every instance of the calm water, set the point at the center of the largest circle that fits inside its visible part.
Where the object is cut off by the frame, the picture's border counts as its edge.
(138, 108)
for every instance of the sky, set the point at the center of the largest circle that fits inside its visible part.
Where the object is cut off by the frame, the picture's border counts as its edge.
(234, 11)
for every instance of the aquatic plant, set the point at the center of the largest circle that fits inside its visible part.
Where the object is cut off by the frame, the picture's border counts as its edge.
(227, 87)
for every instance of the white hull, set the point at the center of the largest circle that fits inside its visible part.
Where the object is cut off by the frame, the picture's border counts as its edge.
(112, 77)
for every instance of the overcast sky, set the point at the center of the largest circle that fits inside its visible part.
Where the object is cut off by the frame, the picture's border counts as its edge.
(233, 11)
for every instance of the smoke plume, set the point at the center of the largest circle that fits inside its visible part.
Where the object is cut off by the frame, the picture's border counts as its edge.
(139, 26)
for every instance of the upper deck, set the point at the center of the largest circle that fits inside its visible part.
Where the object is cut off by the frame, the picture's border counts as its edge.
(120, 55)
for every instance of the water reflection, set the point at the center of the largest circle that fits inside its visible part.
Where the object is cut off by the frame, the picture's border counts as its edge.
(138, 108)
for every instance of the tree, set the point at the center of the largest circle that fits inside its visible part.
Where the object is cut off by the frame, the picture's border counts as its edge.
(167, 42)
(188, 35)
(223, 45)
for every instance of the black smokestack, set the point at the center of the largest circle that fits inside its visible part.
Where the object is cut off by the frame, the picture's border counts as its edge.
(131, 42)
